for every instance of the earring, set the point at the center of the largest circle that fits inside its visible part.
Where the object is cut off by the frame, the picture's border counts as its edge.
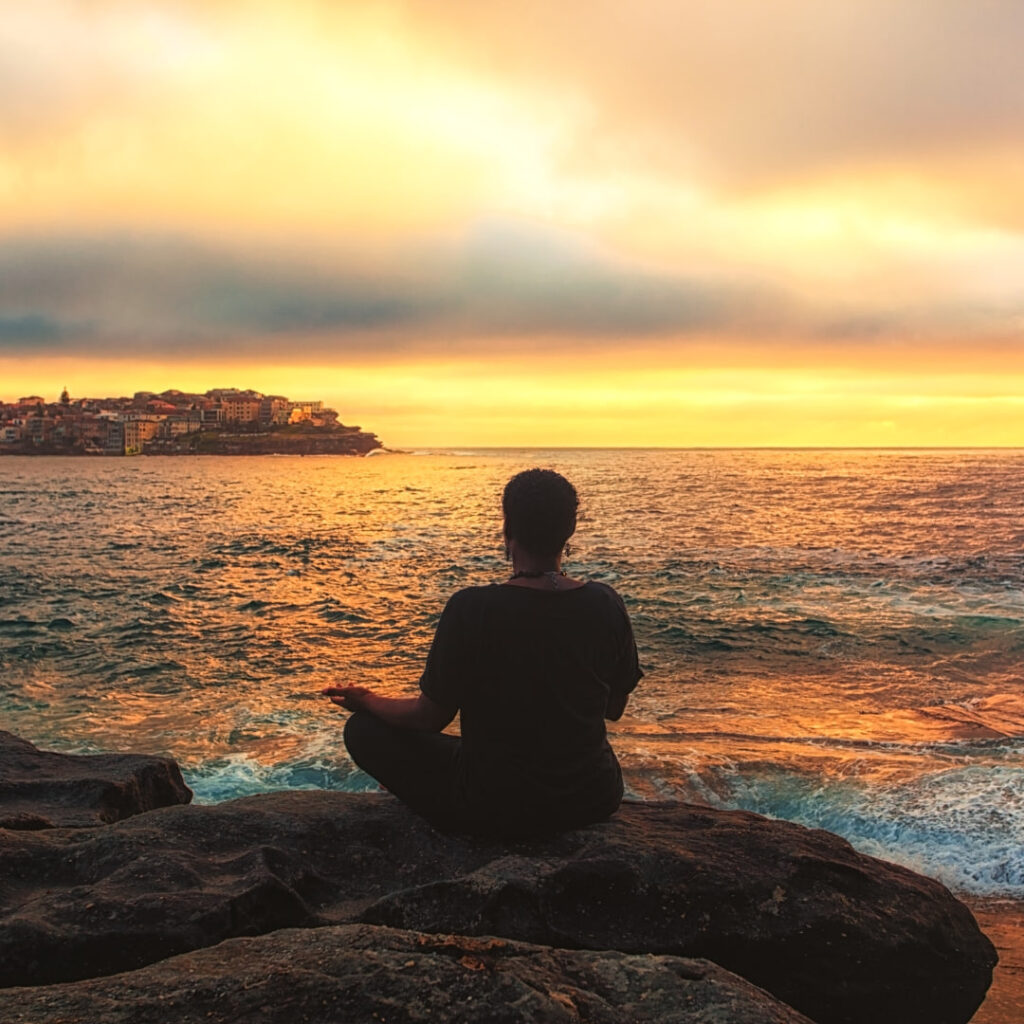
(568, 551)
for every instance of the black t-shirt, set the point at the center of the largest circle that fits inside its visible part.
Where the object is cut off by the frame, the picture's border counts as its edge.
(532, 673)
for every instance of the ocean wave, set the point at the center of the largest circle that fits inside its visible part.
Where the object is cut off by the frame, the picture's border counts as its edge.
(21, 627)
(964, 825)
(239, 775)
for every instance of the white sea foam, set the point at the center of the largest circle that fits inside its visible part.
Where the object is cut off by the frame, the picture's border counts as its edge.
(964, 825)
(241, 775)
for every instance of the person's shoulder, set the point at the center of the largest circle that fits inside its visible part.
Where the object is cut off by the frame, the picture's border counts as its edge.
(606, 591)
(605, 595)
(470, 597)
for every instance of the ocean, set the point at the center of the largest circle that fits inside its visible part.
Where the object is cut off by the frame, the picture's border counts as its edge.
(833, 637)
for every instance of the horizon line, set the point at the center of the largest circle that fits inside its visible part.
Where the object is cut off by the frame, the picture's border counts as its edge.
(711, 448)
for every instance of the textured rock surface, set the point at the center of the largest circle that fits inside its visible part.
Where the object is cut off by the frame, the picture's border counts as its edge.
(362, 973)
(840, 936)
(41, 789)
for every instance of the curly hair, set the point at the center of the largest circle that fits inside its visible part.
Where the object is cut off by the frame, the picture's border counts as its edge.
(540, 510)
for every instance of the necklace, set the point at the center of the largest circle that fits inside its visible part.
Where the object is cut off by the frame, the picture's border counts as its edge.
(552, 575)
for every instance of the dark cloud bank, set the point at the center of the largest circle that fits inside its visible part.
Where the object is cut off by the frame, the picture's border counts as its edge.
(131, 293)
(138, 295)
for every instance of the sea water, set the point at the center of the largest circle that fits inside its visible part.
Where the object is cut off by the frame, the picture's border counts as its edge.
(834, 637)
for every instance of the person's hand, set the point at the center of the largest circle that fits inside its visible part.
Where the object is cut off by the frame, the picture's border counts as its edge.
(351, 698)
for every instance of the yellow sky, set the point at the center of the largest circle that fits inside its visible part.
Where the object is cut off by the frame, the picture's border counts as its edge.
(584, 223)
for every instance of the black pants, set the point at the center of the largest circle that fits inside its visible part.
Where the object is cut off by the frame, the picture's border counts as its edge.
(420, 768)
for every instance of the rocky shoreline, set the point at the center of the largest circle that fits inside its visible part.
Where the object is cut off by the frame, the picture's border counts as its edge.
(121, 902)
(343, 441)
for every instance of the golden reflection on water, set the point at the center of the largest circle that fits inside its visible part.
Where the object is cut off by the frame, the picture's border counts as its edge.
(830, 637)
(779, 598)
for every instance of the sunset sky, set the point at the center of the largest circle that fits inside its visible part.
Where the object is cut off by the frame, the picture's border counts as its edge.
(787, 222)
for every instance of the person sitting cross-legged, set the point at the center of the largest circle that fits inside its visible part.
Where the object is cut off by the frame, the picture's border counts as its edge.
(534, 666)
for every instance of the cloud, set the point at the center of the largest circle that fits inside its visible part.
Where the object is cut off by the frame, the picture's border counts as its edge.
(412, 115)
(505, 280)
(743, 93)
(511, 279)
(749, 94)
(136, 293)
(60, 59)
(29, 329)
(797, 170)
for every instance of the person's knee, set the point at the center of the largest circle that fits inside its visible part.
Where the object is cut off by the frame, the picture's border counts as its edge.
(358, 733)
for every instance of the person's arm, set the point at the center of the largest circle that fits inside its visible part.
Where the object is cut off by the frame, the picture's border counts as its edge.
(616, 706)
(420, 713)
(627, 672)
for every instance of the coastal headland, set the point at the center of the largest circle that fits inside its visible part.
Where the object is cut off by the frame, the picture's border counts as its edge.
(221, 421)
(319, 906)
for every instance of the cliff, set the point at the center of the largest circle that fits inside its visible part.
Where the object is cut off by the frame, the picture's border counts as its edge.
(341, 441)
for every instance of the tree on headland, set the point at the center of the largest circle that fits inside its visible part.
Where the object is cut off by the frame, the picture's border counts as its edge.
(65, 398)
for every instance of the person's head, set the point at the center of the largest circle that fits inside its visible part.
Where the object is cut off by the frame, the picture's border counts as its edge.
(540, 511)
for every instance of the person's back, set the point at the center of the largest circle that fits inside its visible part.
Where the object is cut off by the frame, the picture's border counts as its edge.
(533, 672)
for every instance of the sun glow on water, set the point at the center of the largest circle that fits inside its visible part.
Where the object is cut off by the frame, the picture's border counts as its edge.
(830, 636)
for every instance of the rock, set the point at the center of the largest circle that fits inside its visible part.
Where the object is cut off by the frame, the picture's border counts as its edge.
(840, 936)
(41, 789)
(365, 973)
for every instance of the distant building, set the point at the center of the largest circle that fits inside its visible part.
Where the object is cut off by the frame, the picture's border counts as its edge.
(274, 410)
(299, 412)
(241, 410)
(185, 422)
(140, 415)
(38, 429)
(113, 442)
(136, 432)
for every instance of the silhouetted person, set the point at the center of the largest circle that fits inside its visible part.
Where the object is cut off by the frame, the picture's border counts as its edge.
(534, 666)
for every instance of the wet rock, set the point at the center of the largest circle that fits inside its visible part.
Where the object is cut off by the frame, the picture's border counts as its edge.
(838, 935)
(41, 789)
(365, 973)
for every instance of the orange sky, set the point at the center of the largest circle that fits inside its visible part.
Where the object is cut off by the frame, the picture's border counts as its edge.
(584, 223)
